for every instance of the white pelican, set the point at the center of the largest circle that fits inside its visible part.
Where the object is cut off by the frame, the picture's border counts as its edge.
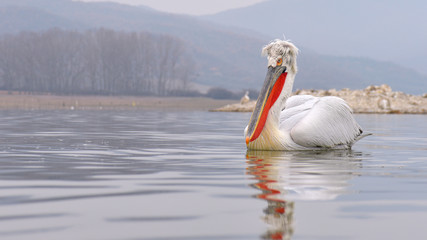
(245, 99)
(302, 122)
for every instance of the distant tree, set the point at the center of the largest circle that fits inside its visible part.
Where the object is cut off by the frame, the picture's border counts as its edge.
(98, 61)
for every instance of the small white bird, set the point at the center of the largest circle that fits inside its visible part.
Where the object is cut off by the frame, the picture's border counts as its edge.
(245, 99)
(303, 122)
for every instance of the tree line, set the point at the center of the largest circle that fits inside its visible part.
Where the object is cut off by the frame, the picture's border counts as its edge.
(98, 61)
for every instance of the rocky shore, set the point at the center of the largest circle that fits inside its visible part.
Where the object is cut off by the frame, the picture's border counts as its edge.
(373, 99)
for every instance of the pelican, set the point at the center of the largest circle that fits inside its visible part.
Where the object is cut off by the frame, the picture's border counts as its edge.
(303, 122)
(245, 99)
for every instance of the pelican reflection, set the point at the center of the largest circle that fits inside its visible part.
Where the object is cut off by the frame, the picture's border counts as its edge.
(286, 177)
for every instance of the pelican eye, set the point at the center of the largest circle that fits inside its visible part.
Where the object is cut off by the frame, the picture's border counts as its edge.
(279, 62)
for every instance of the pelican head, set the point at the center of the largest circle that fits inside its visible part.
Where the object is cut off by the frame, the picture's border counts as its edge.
(277, 87)
(281, 53)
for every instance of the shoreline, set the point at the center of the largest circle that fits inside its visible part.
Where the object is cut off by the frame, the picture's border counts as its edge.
(16, 101)
(371, 100)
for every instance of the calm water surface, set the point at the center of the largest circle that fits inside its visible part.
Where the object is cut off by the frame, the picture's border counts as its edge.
(187, 175)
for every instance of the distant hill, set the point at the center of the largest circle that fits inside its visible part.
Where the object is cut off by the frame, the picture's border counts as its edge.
(17, 18)
(319, 71)
(226, 56)
(382, 29)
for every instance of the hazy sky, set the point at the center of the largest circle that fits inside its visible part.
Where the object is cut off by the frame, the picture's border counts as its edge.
(194, 7)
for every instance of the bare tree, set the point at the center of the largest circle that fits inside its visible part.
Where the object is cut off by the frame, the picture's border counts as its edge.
(98, 61)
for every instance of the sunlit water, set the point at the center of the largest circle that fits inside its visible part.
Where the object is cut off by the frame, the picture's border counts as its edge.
(187, 175)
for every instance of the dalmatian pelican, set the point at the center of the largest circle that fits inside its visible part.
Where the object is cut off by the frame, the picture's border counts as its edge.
(302, 122)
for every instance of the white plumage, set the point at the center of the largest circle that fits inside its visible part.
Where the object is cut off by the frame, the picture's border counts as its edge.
(299, 122)
(325, 122)
(245, 99)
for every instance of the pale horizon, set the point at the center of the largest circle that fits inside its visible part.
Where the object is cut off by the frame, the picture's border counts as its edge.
(190, 7)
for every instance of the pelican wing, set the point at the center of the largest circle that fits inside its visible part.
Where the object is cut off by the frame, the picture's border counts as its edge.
(296, 108)
(319, 122)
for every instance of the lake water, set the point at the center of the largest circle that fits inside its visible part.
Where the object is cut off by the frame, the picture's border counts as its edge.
(187, 175)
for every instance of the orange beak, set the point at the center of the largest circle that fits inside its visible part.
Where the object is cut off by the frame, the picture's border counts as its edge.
(270, 92)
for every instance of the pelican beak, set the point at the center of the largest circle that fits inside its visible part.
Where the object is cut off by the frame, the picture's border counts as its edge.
(270, 92)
